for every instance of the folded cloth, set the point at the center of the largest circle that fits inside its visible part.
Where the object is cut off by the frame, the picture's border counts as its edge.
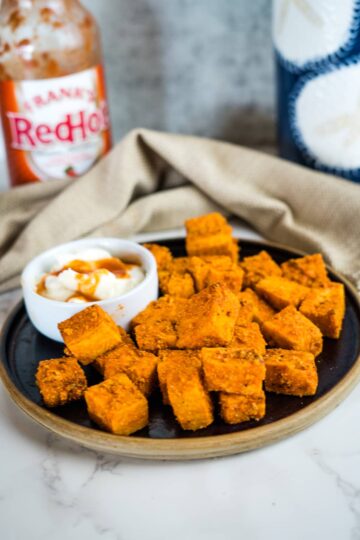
(128, 192)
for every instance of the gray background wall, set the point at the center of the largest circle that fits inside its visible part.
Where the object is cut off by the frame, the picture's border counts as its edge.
(191, 66)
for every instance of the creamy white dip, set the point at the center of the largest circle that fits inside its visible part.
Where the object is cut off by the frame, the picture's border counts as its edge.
(71, 279)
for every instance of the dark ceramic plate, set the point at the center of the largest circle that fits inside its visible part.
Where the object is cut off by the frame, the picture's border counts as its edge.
(22, 347)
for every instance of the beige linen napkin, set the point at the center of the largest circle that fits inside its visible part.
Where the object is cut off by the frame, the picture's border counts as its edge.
(131, 190)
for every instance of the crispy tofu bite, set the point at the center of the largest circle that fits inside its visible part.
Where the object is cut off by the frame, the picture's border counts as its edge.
(166, 308)
(117, 405)
(139, 366)
(309, 271)
(89, 333)
(290, 372)
(237, 371)
(325, 307)
(290, 329)
(162, 254)
(188, 397)
(171, 361)
(217, 244)
(177, 280)
(181, 265)
(156, 335)
(207, 225)
(125, 340)
(215, 269)
(236, 408)
(281, 292)
(125, 337)
(60, 380)
(208, 319)
(210, 235)
(262, 311)
(257, 267)
(176, 284)
(246, 309)
(248, 337)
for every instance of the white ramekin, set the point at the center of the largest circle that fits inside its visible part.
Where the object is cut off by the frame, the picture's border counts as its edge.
(45, 314)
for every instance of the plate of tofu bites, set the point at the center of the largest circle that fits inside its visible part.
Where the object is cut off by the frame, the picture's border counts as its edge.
(248, 343)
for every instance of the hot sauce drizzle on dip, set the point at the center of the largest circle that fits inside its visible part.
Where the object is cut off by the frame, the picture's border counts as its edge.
(90, 276)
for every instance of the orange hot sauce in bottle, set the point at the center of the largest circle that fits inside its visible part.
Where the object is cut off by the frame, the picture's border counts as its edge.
(52, 90)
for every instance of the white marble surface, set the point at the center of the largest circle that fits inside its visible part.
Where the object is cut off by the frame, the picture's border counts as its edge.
(307, 486)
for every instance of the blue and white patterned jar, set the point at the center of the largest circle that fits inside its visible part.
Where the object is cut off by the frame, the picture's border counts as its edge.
(317, 44)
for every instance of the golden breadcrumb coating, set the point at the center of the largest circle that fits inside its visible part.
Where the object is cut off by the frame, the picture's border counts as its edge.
(60, 380)
(188, 397)
(208, 319)
(176, 284)
(139, 366)
(117, 405)
(262, 311)
(236, 408)
(325, 307)
(281, 292)
(171, 360)
(89, 333)
(257, 267)
(290, 329)
(166, 308)
(309, 271)
(290, 372)
(237, 371)
(156, 335)
(215, 269)
(162, 254)
(210, 235)
(248, 336)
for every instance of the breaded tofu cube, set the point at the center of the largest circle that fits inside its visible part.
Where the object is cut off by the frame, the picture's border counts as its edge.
(237, 371)
(175, 284)
(188, 397)
(262, 311)
(309, 271)
(236, 408)
(125, 340)
(117, 405)
(89, 333)
(210, 235)
(217, 244)
(162, 254)
(290, 372)
(246, 309)
(290, 329)
(257, 267)
(326, 308)
(248, 337)
(156, 335)
(181, 265)
(125, 337)
(208, 319)
(165, 308)
(176, 280)
(60, 380)
(215, 269)
(139, 366)
(281, 292)
(207, 225)
(171, 360)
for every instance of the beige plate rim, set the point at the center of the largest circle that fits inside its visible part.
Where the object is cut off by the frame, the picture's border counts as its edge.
(195, 447)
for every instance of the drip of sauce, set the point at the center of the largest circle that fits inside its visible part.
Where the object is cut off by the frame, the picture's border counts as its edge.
(89, 275)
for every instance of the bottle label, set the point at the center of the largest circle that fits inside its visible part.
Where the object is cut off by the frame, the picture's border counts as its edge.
(55, 128)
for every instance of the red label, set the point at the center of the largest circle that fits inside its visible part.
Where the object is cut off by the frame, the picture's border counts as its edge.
(55, 128)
